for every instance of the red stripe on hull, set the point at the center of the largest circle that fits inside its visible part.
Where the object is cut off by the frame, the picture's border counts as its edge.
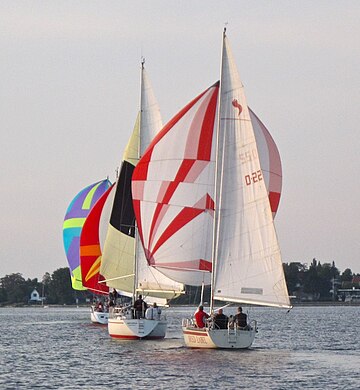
(125, 337)
(196, 333)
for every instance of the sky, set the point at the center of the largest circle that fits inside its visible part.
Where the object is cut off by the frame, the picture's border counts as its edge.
(69, 96)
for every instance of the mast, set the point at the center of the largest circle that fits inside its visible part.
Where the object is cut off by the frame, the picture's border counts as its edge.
(217, 184)
(136, 241)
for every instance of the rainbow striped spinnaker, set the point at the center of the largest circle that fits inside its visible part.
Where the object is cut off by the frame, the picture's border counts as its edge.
(74, 220)
(91, 242)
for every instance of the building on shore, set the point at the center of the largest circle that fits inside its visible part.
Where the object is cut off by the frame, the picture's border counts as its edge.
(36, 298)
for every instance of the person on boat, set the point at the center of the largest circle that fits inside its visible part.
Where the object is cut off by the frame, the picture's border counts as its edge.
(231, 322)
(99, 307)
(240, 319)
(115, 295)
(153, 313)
(220, 320)
(140, 307)
(201, 317)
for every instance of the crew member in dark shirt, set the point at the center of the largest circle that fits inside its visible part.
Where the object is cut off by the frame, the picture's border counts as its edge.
(220, 320)
(140, 307)
(240, 319)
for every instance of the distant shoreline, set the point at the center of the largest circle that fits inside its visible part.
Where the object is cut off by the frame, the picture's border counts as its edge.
(295, 304)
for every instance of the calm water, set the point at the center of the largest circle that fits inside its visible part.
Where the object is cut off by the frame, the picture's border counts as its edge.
(58, 348)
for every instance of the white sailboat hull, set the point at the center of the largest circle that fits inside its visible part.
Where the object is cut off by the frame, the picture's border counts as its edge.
(218, 338)
(135, 329)
(98, 317)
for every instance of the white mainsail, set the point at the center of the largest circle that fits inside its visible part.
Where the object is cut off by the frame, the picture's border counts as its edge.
(248, 266)
(118, 261)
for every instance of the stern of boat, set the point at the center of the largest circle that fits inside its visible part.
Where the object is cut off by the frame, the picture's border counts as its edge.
(230, 338)
(122, 326)
(98, 317)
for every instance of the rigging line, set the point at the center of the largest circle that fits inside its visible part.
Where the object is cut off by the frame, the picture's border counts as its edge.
(147, 290)
(99, 291)
(119, 277)
(153, 274)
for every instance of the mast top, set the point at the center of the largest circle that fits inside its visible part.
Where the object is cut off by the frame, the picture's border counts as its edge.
(224, 33)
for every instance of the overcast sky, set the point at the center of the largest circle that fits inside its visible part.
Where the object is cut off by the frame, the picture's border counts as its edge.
(69, 95)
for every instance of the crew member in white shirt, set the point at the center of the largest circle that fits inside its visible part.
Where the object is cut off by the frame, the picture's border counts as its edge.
(153, 313)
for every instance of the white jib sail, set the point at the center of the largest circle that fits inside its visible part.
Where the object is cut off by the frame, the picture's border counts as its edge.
(248, 261)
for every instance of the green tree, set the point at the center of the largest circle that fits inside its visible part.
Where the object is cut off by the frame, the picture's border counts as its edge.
(325, 275)
(347, 275)
(294, 275)
(60, 290)
(311, 280)
(2, 295)
(14, 289)
(46, 283)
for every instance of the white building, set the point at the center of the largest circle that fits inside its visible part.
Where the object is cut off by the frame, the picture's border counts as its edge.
(35, 297)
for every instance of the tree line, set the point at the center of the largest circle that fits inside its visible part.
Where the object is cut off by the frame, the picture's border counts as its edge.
(56, 288)
(317, 282)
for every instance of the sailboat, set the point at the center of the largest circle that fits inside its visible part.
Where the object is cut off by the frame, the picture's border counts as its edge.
(91, 242)
(75, 221)
(204, 212)
(123, 261)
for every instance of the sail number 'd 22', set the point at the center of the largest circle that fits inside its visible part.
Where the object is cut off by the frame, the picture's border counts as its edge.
(253, 178)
